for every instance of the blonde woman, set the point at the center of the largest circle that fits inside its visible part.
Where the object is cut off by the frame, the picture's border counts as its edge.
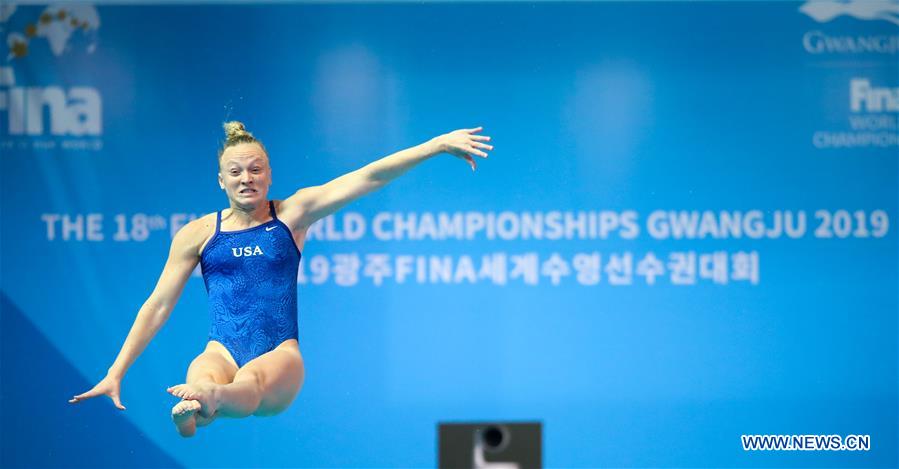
(249, 254)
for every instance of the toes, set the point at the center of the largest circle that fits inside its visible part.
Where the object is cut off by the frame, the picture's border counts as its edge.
(184, 391)
(189, 409)
(184, 408)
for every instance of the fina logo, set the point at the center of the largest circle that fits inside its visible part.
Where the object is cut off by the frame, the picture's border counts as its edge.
(823, 11)
(873, 99)
(76, 111)
(247, 251)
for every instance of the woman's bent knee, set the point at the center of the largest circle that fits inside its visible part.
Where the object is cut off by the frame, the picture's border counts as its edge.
(275, 404)
(210, 365)
(282, 378)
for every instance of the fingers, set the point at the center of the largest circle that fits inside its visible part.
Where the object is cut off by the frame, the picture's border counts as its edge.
(94, 393)
(471, 162)
(466, 145)
(117, 402)
(474, 151)
(482, 145)
(83, 396)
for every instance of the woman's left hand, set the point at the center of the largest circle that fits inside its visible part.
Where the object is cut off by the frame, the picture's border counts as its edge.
(465, 144)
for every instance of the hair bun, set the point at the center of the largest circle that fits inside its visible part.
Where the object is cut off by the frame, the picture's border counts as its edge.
(235, 130)
(236, 134)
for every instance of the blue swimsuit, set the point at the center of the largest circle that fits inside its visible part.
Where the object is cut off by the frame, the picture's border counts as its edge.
(251, 279)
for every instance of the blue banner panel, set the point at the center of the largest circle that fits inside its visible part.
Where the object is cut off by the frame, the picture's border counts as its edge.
(682, 246)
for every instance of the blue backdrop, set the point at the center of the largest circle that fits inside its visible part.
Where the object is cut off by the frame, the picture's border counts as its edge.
(686, 232)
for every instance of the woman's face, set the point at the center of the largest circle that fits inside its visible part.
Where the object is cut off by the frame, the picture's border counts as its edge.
(245, 175)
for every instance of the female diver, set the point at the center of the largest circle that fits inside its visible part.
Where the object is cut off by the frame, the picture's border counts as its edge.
(249, 254)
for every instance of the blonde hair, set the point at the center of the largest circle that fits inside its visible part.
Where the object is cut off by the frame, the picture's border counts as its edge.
(235, 134)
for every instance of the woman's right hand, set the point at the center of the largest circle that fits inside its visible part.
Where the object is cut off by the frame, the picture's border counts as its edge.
(108, 386)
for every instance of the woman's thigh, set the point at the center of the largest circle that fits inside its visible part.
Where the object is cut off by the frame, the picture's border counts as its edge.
(280, 373)
(213, 364)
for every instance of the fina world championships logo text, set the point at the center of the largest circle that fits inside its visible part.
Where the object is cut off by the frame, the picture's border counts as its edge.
(866, 44)
(826, 11)
(47, 116)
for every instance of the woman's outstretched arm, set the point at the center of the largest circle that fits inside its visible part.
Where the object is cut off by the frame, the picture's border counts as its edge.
(311, 204)
(183, 258)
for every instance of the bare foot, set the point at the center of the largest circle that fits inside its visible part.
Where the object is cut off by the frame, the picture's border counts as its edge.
(184, 415)
(204, 393)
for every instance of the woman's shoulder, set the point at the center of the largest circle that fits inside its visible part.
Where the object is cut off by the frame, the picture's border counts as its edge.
(198, 230)
(203, 221)
(286, 213)
(194, 236)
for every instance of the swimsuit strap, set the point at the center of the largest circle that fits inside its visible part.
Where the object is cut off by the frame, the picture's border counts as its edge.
(271, 206)
(218, 221)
